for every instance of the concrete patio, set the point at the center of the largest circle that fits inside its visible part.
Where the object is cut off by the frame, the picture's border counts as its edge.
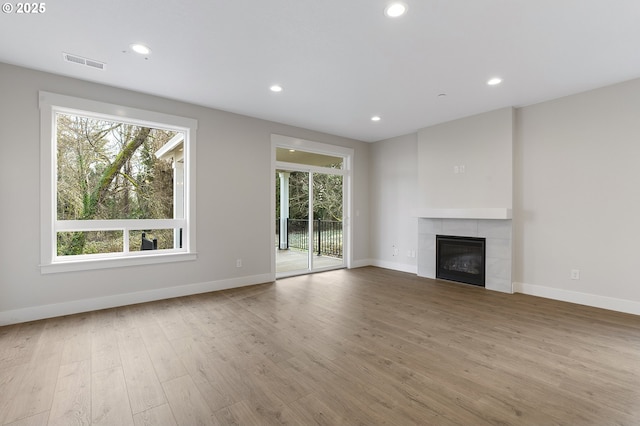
(296, 260)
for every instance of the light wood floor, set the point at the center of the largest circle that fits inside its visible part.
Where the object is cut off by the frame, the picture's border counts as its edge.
(367, 346)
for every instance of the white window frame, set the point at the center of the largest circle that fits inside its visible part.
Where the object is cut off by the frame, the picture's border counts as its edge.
(50, 262)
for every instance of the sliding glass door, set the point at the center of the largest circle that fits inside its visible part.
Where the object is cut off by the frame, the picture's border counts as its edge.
(292, 221)
(309, 193)
(327, 229)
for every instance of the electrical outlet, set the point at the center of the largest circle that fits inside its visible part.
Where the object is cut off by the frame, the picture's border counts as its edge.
(575, 274)
(238, 263)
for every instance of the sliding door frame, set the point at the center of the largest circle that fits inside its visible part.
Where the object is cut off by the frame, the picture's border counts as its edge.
(279, 141)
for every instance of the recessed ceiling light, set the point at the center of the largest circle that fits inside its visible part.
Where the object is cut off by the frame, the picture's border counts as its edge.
(396, 9)
(141, 49)
(494, 81)
(276, 88)
(375, 118)
(292, 150)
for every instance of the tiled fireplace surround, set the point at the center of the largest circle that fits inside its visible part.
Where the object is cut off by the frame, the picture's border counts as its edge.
(498, 235)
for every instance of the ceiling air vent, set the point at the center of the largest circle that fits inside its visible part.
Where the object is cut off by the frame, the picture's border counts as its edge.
(83, 61)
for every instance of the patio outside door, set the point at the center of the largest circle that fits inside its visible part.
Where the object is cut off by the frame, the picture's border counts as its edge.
(292, 222)
(309, 213)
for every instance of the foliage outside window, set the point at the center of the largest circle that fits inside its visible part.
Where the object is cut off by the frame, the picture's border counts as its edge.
(327, 191)
(119, 186)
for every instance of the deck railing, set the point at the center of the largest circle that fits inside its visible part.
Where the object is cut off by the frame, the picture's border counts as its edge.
(327, 236)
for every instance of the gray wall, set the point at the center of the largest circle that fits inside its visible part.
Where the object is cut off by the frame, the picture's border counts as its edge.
(480, 147)
(394, 179)
(233, 203)
(575, 196)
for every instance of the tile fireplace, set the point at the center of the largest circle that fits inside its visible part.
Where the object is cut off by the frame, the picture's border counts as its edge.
(497, 234)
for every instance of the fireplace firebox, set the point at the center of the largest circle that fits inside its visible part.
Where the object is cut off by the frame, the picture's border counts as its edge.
(460, 259)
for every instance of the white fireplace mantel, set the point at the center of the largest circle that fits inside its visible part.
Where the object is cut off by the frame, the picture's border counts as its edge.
(467, 213)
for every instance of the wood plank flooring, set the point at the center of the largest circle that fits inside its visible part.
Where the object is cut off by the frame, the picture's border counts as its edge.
(360, 347)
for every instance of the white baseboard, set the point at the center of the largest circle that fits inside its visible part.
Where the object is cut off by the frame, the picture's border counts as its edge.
(604, 302)
(86, 305)
(402, 267)
(361, 263)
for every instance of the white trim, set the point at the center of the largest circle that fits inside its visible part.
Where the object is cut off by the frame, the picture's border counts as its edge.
(126, 114)
(50, 104)
(115, 225)
(151, 257)
(594, 300)
(361, 263)
(86, 305)
(472, 213)
(272, 202)
(310, 223)
(299, 167)
(402, 267)
(347, 208)
(310, 146)
(280, 141)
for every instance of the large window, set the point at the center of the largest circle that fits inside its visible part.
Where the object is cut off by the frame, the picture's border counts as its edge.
(117, 185)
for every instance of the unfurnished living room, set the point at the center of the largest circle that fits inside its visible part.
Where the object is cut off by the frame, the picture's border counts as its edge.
(320, 212)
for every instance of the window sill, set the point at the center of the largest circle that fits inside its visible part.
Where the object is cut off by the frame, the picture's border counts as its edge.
(107, 263)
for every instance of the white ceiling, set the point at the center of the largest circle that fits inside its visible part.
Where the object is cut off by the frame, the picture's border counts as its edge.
(340, 62)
